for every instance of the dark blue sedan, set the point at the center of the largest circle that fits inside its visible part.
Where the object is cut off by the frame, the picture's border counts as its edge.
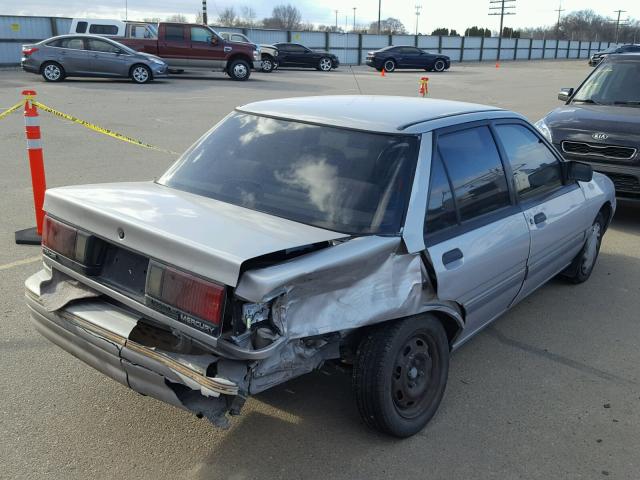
(391, 58)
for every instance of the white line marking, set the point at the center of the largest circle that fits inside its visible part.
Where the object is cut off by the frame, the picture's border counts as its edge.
(17, 263)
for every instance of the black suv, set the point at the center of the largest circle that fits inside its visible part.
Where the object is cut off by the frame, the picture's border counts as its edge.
(597, 57)
(600, 122)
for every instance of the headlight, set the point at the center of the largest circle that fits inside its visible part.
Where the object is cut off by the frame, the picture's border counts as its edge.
(275, 54)
(156, 61)
(544, 129)
(256, 55)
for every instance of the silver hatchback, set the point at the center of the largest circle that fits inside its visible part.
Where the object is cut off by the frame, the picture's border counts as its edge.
(90, 56)
(380, 232)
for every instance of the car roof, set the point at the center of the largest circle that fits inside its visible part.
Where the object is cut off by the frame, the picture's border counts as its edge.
(82, 35)
(388, 114)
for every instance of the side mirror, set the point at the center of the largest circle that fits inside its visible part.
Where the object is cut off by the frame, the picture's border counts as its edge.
(578, 171)
(565, 94)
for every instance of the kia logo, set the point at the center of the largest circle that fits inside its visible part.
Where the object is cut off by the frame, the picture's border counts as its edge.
(600, 136)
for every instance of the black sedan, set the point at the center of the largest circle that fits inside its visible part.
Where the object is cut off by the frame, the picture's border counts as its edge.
(600, 122)
(392, 58)
(597, 57)
(296, 55)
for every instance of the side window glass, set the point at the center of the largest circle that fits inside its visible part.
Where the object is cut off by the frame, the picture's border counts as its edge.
(174, 33)
(472, 160)
(81, 27)
(441, 211)
(535, 169)
(101, 46)
(99, 29)
(72, 43)
(200, 35)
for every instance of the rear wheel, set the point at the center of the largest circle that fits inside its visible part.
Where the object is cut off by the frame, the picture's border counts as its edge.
(239, 70)
(389, 65)
(400, 374)
(439, 65)
(582, 266)
(52, 72)
(140, 74)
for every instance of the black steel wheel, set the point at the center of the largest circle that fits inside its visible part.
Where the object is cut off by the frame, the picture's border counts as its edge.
(439, 65)
(389, 65)
(401, 373)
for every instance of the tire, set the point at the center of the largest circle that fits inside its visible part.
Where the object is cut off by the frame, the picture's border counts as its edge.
(140, 74)
(389, 65)
(439, 65)
(268, 65)
(239, 70)
(52, 72)
(582, 265)
(400, 374)
(325, 64)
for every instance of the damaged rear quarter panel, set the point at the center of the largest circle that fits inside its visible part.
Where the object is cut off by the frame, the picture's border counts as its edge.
(360, 282)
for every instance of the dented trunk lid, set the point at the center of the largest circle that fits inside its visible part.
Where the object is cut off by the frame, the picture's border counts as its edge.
(199, 234)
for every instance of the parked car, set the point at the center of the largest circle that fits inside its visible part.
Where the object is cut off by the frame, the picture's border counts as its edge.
(186, 46)
(600, 122)
(394, 57)
(89, 56)
(296, 55)
(268, 53)
(392, 231)
(597, 57)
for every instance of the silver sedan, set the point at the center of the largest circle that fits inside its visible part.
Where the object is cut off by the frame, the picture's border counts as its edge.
(89, 56)
(380, 232)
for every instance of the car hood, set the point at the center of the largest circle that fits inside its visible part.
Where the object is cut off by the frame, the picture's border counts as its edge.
(579, 122)
(199, 234)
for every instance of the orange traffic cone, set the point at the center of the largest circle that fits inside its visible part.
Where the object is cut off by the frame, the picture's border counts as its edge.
(497, 64)
(382, 73)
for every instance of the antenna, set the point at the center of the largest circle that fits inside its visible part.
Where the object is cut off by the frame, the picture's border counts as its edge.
(418, 8)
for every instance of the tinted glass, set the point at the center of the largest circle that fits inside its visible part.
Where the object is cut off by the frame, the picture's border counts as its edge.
(535, 169)
(410, 51)
(199, 34)
(473, 163)
(103, 29)
(614, 83)
(72, 43)
(296, 48)
(174, 32)
(333, 178)
(441, 212)
(239, 38)
(101, 46)
(81, 27)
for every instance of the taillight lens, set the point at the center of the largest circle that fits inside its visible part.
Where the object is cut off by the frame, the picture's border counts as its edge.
(66, 240)
(29, 51)
(190, 294)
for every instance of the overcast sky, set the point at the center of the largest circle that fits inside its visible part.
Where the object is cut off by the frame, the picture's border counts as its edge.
(457, 14)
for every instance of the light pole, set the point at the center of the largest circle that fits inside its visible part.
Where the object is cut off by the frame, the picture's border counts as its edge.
(379, 9)
(418, 8)
(354, 19)
(126, 11)
(336, 20)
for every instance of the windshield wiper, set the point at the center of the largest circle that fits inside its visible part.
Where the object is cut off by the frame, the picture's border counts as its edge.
(585, 100)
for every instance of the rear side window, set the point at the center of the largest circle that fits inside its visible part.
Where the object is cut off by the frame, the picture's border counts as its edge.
(441, 210)
(81, 27)
(536, 171)
(72, 43)
(101, 46)
(174, 32)
(475, 170)
(103, 29)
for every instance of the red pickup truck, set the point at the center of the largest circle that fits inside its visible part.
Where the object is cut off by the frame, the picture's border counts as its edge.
(188, 45)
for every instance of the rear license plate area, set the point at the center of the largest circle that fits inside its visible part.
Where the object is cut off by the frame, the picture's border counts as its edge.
(124, 270)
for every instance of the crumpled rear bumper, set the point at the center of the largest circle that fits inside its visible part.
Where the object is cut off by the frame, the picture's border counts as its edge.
(97, 332)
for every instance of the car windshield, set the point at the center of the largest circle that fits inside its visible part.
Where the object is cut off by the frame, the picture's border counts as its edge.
(614, 83)
(338, 179)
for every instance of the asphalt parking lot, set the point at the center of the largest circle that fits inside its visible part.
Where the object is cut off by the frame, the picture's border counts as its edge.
(550, 391)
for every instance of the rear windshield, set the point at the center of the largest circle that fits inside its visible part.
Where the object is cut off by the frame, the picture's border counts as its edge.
(338, 179)
(613, 83)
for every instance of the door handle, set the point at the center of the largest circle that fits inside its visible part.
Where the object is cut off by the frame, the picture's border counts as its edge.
(451, 256)
(539, 218)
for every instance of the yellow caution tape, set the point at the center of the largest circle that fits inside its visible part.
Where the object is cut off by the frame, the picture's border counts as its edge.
(11, 109)
(96, 128)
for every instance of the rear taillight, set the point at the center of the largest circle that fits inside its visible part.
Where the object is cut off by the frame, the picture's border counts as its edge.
(66, 240)
(187, 293)
(26, 51)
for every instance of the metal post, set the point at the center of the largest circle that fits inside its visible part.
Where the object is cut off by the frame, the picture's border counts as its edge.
(515, 50)
(359, 49)
(544, 48)
(204, 12)
(379, 9)
(326, 41)
(530, 47)
(462, 49)
(481, 47)
(439, 43)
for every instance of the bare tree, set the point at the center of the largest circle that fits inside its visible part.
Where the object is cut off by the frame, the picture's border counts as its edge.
(177, 17)
(152, 19)
(199, 18)
(389, 26)
(227, 17)
(248, 16)
(284, 17)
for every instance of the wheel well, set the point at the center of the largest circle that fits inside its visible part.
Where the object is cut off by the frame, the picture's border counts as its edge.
(239, 56)
(607, 211)
(140, 64)
(450, 325)
(389, 58)
(267, 55)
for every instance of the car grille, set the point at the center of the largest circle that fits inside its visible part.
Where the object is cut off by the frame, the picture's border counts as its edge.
(624, 183)
(607, 151)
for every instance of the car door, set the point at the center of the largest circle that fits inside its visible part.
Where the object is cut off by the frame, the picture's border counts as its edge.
(174, 45)
(300, 56)
(476, 236)
(284, 54)
(73, 56)
(106, 59)
(207, 49)
(412, 57)
(555, 211)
